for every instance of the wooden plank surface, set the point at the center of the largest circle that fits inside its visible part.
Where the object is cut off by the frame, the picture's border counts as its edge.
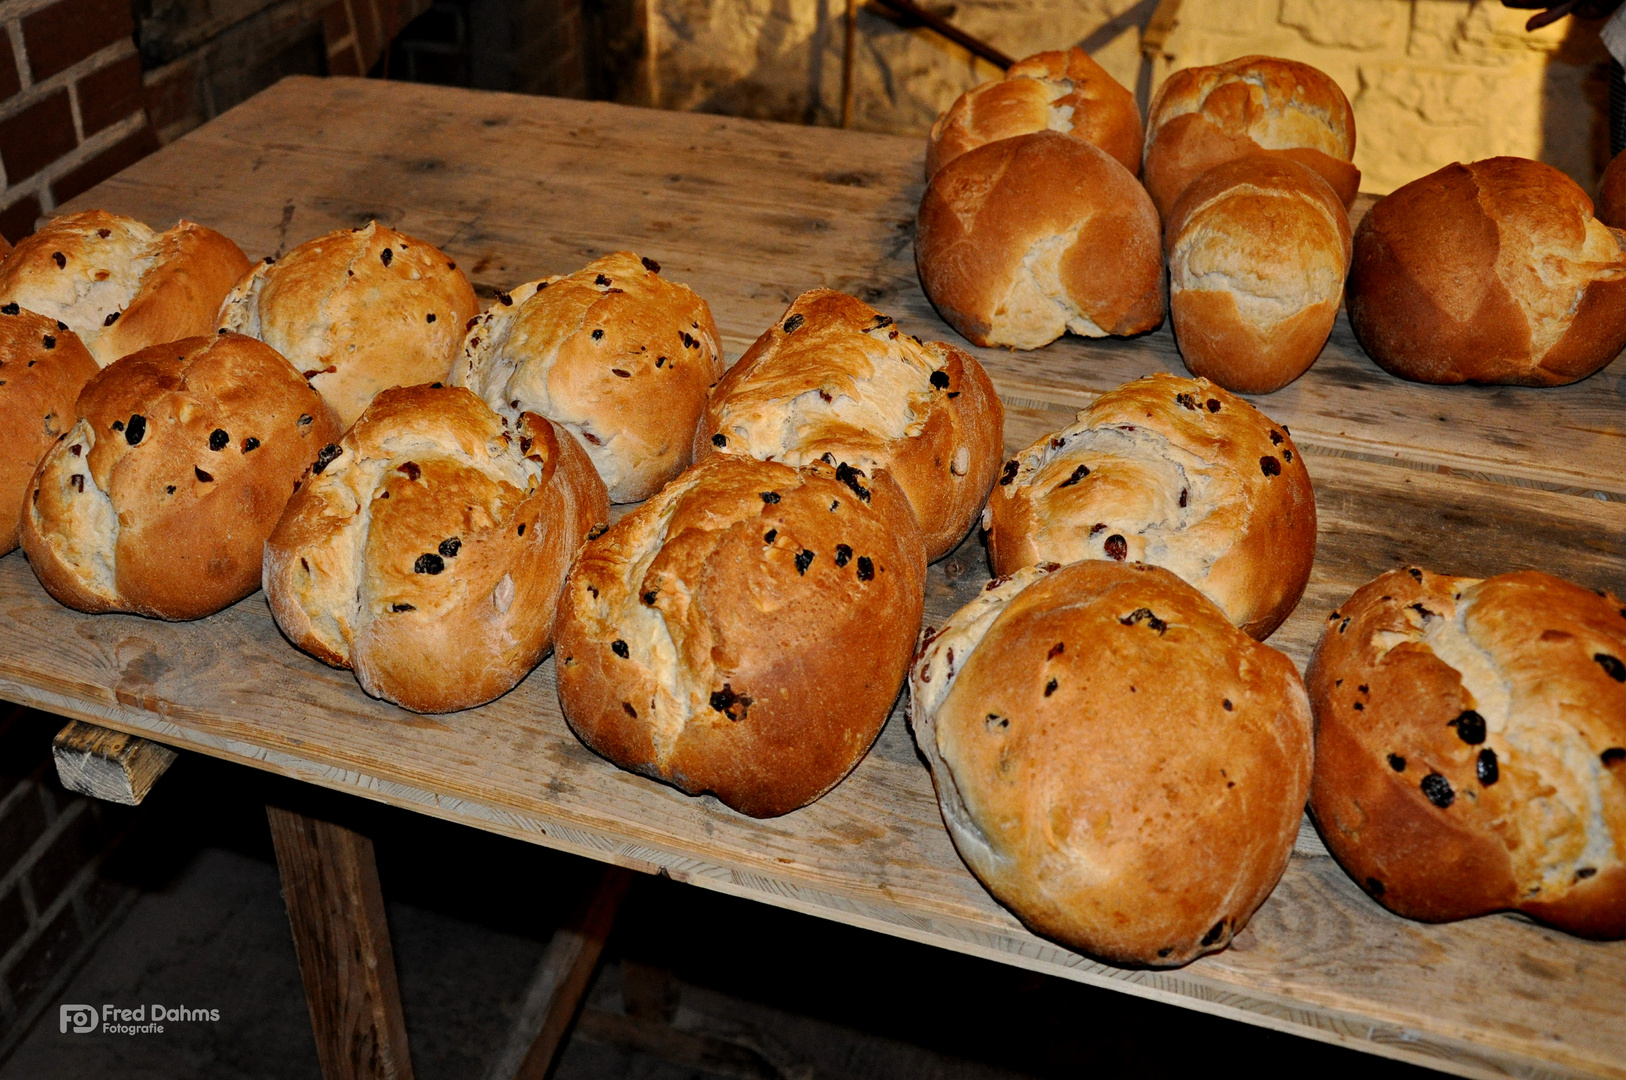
(1472, 480)
(336, 911)
(109, 765)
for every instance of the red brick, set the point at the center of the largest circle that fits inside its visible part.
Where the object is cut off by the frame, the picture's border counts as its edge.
(65, 33)
(23, 824)
(110, 94)
(37, 136)
(122, 154)
(17, 220)
(13, 920)
(50, 951)
(10, 81)
(74, 848)
(171, 94)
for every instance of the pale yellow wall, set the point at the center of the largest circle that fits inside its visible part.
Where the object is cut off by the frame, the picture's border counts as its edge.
(1432, 81)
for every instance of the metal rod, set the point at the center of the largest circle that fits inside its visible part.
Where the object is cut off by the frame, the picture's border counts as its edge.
(850, 35)
(948, 30)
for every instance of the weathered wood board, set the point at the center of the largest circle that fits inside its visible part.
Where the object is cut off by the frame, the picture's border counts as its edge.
(1473, 480)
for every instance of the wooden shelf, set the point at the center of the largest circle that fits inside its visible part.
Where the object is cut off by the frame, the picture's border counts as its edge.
(1469, 480)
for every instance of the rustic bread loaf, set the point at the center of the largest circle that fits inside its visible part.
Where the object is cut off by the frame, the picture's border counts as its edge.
(357, 311)
(615, 354)
(834, 380)
(1065, 91)
(1119, 765)
(160, 497)
(43, 366)
(1611, 201)
(118, 284)
(1471, 747)
(1021, 240)
(745, 631)
(1174, 472)
(427, 548)
(1491, 272)
(1204, 116)
(1257, 249)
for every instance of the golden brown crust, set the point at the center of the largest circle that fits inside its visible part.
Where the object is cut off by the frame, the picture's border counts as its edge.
(428, 550)
(357, 311)
(1064, 90)
(844, 385)
(1611, 200)
(1204, 116)
(118, 284)
(160, 497)
(1490, 272)
(1090, 728)
(1257, 249)
(1021, 240)
(619, 356)
(1176, 472)
(1471, 747)
(744, 632)
(43, 366)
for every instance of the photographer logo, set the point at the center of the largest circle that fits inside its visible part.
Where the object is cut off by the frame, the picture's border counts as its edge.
(141, 1020)
(81, 1018)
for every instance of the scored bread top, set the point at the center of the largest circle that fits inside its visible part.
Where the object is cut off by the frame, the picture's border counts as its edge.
(1118, 764)
(1471, 747)
(159, 499)
(43, 366)
(834, 380)
(1024, 239)
(120, 285)
(1203, 116)
(1175, 472)
(427, 547)
(614, 353)
(1493, 271)
(357, 311)
(1064, 90)
(745, 631)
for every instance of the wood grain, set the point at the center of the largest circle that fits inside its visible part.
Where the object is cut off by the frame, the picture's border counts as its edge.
(108, 765)
(336, 909)
(1471, 480)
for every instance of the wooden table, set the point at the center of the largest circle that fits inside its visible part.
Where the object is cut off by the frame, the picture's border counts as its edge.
(1470, 480)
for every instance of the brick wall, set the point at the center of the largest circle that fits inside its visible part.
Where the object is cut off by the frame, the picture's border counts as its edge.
(53, 904)
(71, 111)
(76, 105)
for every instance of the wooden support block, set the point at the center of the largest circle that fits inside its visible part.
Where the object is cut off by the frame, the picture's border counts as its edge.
(560, 983)
(336, 909)
(108, 765)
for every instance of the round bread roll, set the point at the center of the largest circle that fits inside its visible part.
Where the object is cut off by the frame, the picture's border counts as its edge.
(43, 366)
(118, 284)
(744, 632)
(1023, 239)
(615, 354)
(1120, 766)
(158, 500)
(427, 548)
(1471, 747)
(1204, 116)
(836, 381)
(357, 311)
(1065, 91)
(1612, 193)
(1492, 272)
(1173, 472)
(1257, 249)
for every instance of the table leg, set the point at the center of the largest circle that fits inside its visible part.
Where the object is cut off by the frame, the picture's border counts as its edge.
(336, 908)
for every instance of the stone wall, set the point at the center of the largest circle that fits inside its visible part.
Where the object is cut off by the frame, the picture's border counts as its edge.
(1432, 81)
